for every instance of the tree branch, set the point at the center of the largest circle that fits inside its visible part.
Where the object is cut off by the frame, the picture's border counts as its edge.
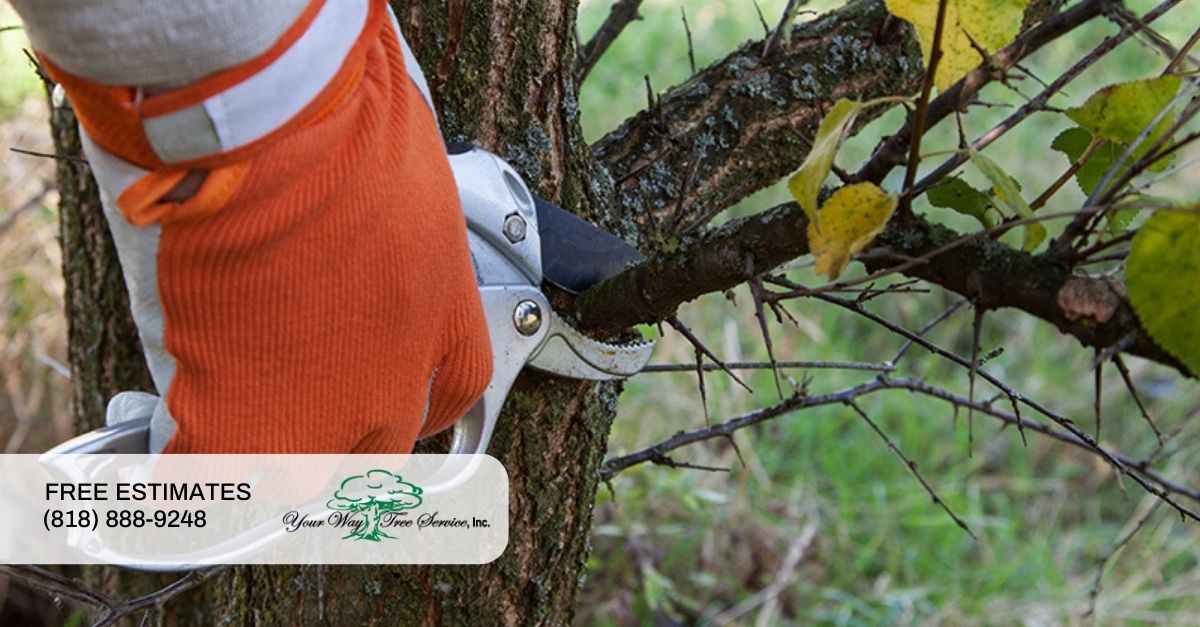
(991, 273)
(623, 12)
(1138, 469)
(745, 119)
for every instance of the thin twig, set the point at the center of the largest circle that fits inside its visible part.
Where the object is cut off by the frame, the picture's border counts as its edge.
(756, 294)
(699, 367)
(700, 346)
(762, 20)
(688, 30)
(764, 365)
(47, 155)
(159, 597)
(1137, 398)
(912, 467)
(1098, 387)
(918, 131)
(38, 69)
(33, 201)
(54, 583)
(976, 331)
(789, 12)
(1183, 52)
(927, 328)
(1122, 16)
(1112, 552)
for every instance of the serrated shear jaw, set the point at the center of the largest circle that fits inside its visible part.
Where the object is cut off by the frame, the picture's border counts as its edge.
(568, 353)
(523, 327)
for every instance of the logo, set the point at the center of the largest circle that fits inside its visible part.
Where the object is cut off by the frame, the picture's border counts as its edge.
(378, 497)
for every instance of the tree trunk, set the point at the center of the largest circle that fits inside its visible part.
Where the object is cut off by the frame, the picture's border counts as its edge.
(501, 73)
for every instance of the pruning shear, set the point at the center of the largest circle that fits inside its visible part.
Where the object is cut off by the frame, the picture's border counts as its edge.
(517, 240)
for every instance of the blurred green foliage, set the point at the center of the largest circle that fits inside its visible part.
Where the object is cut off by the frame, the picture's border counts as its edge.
(16, 80)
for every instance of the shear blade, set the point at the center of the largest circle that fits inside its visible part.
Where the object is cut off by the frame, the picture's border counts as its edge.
(577, 254)
(569, 353)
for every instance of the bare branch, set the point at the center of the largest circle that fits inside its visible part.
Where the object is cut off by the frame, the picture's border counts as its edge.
(623, 12)
(1139, 470)
(47, 155)
(33, 201)
(56, 584)
(756, 294)
(159, 597)
(1098, 392)
(785, 20)
(1183, 52)
(928, 327)
(764, 365)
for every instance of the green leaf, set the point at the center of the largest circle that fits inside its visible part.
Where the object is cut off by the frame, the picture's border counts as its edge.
(989, 23)
(1163, 272)
(1117, 222)
(1073, 142)
(1008, 192)
(805, 184)
(954, 193)
(1120, 112)
(850, 219)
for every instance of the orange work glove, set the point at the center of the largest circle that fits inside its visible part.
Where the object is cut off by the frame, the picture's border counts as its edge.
(316, 293)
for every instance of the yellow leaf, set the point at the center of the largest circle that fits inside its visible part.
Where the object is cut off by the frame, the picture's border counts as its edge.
(850, 219)
(805, 184)
(991, 24)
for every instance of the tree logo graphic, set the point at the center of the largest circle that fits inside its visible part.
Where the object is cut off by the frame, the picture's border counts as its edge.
(374, 495)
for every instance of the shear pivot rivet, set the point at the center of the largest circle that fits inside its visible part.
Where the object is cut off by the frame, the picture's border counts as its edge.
(527, 317)
(514, 227)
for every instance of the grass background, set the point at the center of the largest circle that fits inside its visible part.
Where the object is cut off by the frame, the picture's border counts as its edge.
(822, 524)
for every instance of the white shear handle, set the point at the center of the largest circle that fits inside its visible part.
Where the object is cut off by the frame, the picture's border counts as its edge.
(511, 350)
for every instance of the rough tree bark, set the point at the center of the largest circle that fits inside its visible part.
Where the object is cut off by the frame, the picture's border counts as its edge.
(503, 77)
